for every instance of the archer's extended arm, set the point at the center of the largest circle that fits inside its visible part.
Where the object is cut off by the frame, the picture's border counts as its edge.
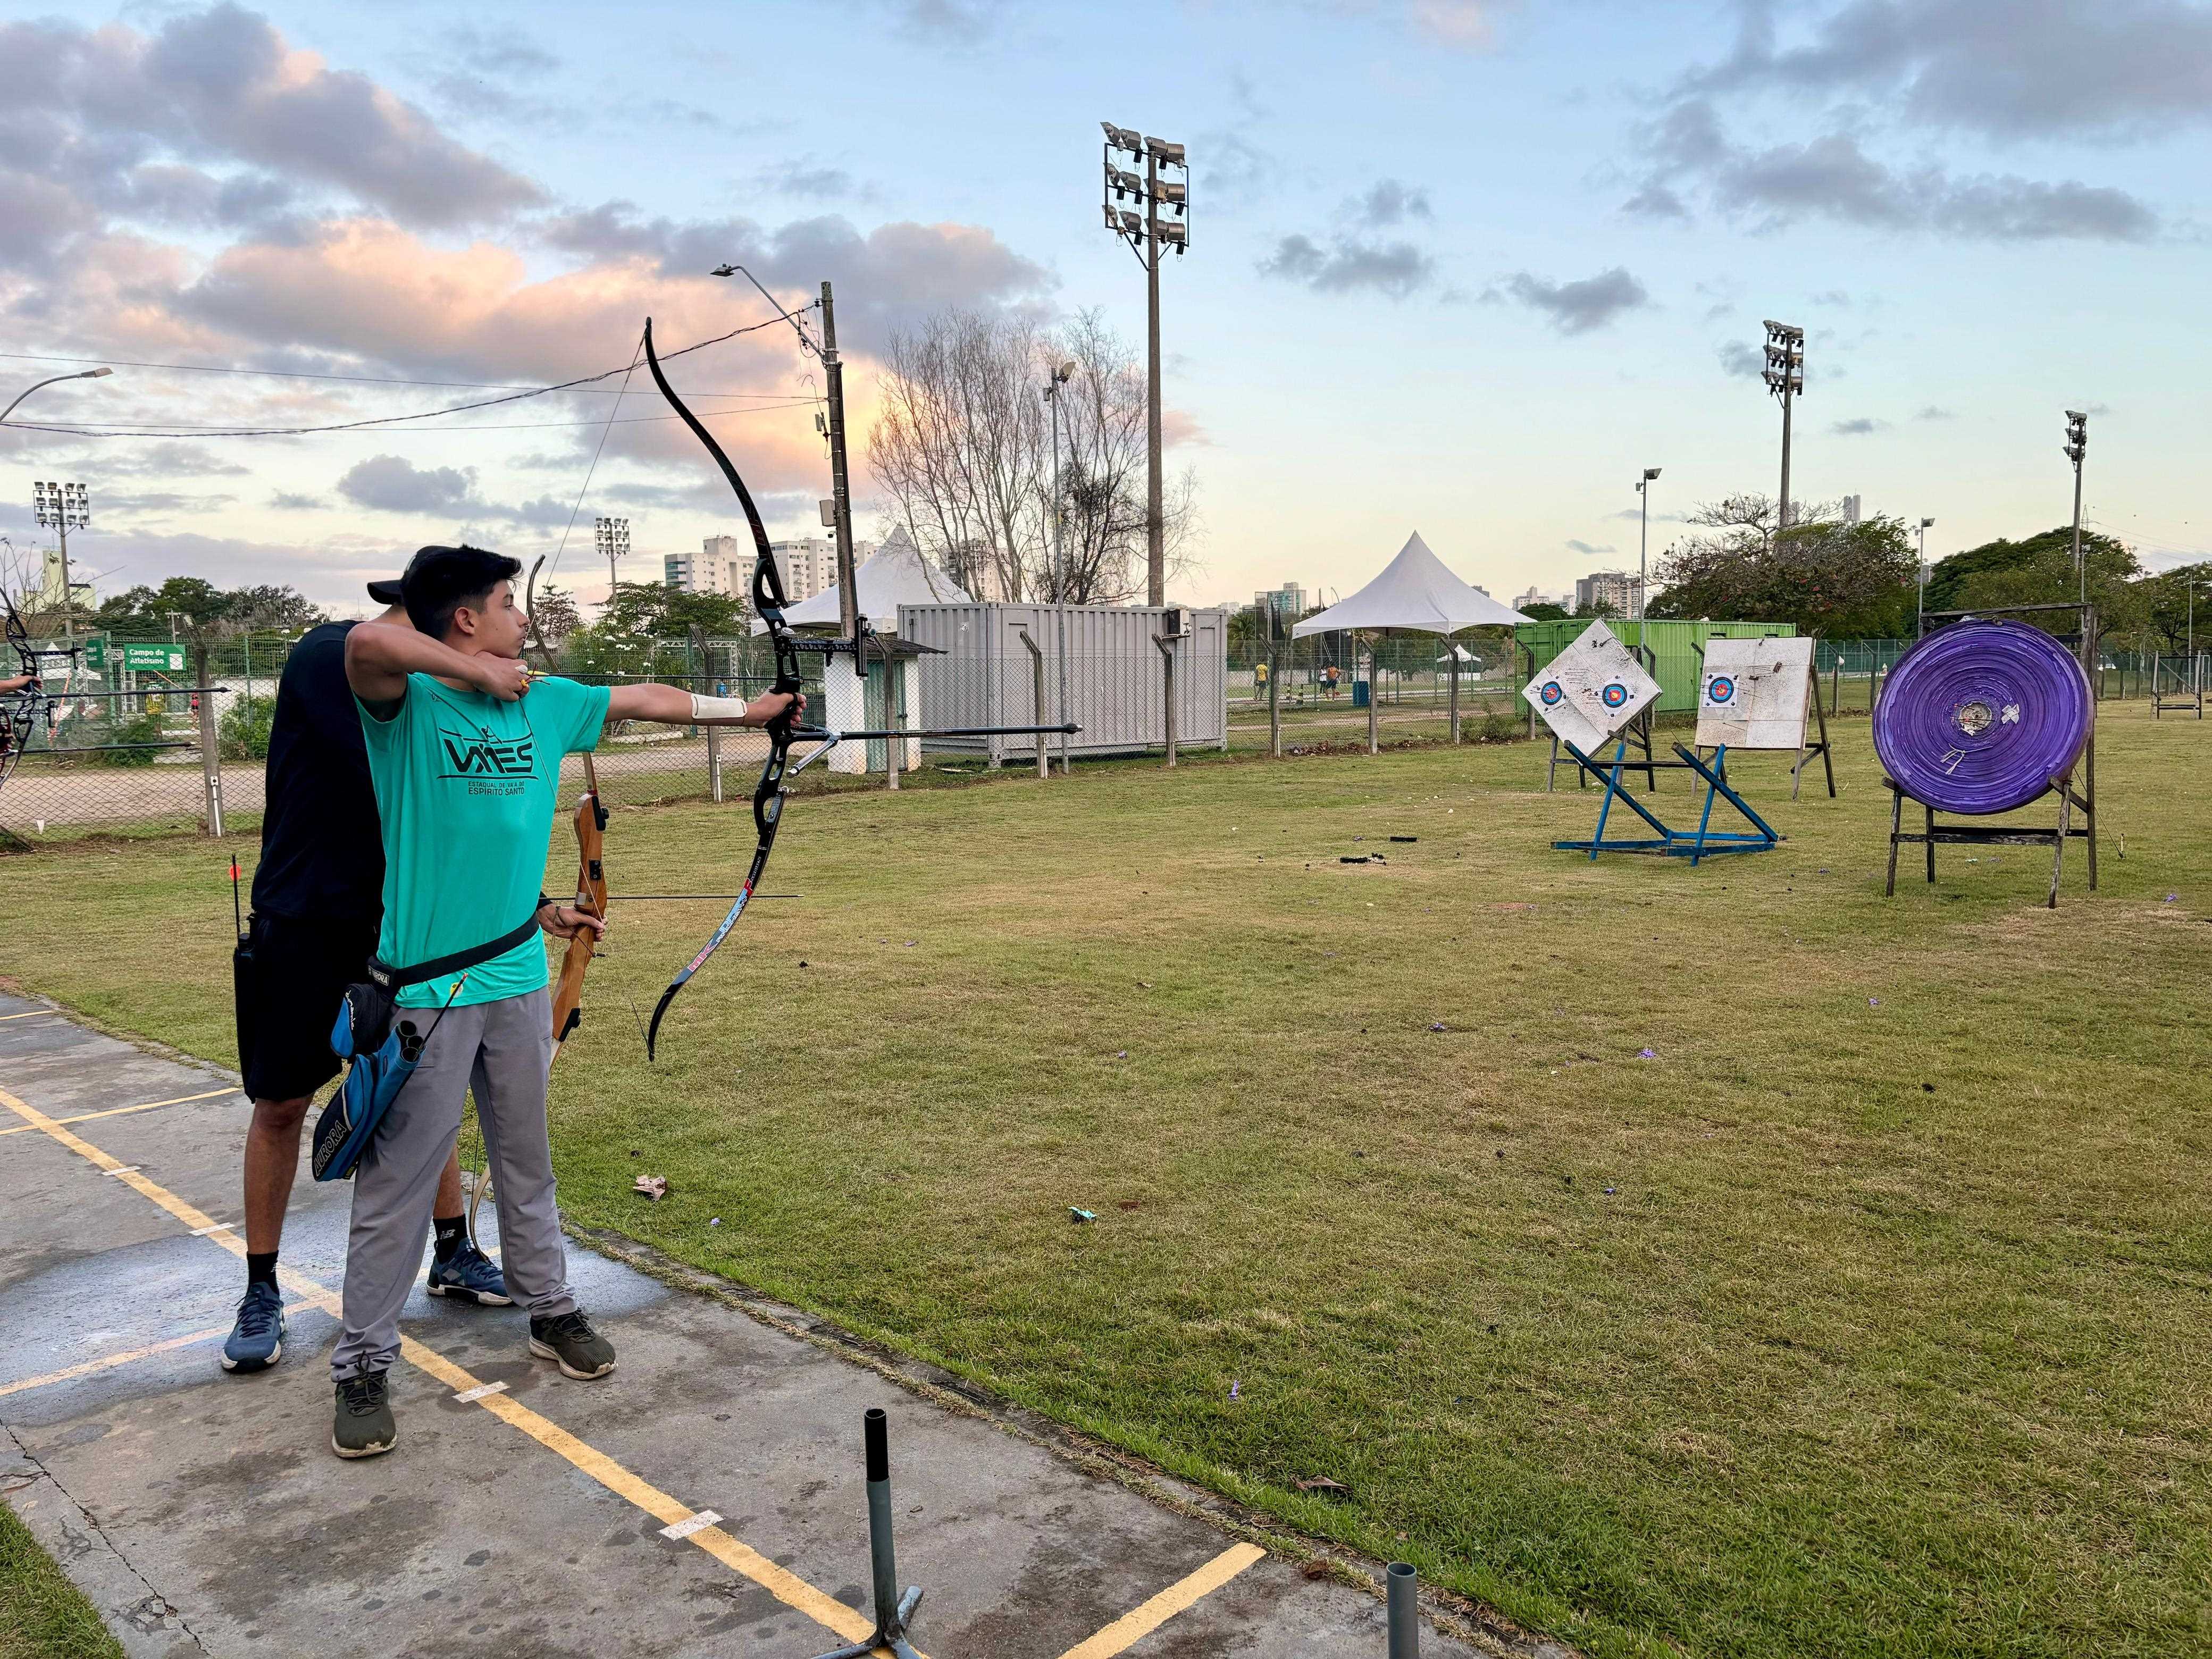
(671, 706)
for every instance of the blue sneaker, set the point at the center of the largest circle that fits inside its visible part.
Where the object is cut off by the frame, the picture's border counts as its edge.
(257, 1341)
(470, 1276)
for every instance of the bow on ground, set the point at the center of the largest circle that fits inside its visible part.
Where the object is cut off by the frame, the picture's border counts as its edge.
(19, 714)
(591, 823)
(769, 602)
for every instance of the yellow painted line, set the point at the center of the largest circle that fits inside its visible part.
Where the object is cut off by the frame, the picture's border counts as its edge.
(1138, 1623)
(786, 1586)
(121, 1111)
(33, 1014)
(92, 1366)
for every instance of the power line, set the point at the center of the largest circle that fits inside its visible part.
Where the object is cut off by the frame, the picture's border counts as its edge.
(109, 430)
(306, 374)
(390, 420)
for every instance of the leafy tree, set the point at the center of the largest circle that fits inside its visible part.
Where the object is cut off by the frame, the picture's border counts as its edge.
(653, 610)
(206, 610)
(243, 732)
(2167, 610)
(1822, 575)
(1544, 611)
(555, 612)
(2039, 570)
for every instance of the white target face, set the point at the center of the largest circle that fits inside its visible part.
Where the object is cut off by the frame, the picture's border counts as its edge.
(1752, 693)
(1591, 689)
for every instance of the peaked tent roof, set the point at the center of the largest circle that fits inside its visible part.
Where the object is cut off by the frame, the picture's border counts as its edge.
(1414, 591)
(895, 574)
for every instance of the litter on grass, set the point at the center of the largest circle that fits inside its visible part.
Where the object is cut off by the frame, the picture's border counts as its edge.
(1081, 1216)
(654, 1187)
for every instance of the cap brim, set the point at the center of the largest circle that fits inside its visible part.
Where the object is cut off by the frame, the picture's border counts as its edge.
(384, 593)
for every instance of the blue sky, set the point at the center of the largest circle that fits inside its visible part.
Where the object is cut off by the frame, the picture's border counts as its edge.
(1463, 268)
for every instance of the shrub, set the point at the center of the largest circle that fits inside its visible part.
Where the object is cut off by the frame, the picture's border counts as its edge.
(243, 733)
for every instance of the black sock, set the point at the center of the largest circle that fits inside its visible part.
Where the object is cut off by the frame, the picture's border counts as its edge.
(448, 1230)
(260, 1267)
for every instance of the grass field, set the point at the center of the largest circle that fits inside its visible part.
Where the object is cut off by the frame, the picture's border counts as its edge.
(1871, 1314)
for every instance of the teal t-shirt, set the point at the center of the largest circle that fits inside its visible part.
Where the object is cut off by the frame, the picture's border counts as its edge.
(466, 788)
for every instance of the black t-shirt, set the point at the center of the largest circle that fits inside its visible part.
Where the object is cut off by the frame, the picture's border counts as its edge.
(321, 855)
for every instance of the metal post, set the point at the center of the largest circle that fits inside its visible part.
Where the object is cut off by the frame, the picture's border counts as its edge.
(1166, 646)
(1036, 674)
(1374, 736)
(1451, 650)
(893, 1611)
(210, 760)
(895, 712)
(1274, 690)
(1782, 513)
(1156, 578)
(1404, 1611)
(1059, 558)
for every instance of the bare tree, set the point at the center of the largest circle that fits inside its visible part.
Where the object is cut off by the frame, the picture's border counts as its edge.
(963, 446)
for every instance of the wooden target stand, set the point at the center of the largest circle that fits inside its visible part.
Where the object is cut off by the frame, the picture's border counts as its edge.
(2071, 799)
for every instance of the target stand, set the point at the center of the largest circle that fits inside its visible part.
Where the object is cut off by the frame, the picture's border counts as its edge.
(1991, 716)
(1697, 845)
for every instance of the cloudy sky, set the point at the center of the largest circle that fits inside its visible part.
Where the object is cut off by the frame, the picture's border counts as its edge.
(1462, 266)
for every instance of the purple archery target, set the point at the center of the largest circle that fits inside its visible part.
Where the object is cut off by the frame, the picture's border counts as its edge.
(1980, 717)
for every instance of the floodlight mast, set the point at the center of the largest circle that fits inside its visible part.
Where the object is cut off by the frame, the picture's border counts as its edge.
(1642, 556)
(1784, 375)
(1920, 583)
(62, 507)
(611, 539)
(2077, 446)
(1146, 236)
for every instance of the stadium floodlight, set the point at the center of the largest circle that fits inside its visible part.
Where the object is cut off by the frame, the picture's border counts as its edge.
(1124, 138)
(1784, 375)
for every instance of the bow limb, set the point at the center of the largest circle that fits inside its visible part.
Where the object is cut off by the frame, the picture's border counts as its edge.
(768, 603)
(591, 822)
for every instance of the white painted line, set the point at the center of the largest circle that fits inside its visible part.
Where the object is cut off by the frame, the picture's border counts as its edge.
(689, 1524)
(468, 1395)
(128, 1168)
(219, 1227)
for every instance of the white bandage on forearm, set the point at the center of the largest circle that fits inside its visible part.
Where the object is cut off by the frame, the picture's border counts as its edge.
(713, 710)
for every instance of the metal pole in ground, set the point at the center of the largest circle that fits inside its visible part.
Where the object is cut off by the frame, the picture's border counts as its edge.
(893, 1610)
(1036, 697)
(1404, 1611)
(1165, 643)
(1374, 735)
(1275, 689)
(210, 759)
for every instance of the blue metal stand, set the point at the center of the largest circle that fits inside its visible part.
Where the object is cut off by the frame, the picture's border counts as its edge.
(1703, 843)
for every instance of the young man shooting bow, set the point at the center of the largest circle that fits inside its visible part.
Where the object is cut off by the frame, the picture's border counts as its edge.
(465, 747)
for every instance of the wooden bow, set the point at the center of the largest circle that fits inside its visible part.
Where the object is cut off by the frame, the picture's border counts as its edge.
(591, 822)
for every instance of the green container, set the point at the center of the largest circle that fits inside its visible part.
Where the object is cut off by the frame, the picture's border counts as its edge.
(1673, 646)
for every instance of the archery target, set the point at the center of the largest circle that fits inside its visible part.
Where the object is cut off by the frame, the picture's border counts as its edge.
(1751, 694)
(1591, 690)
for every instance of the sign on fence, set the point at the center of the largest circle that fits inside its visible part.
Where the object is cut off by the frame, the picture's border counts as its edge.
(157, 658)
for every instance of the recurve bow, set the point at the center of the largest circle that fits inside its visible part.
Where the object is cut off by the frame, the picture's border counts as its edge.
(591, 822)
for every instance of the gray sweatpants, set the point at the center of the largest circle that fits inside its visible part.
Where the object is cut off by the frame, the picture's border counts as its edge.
(503, 1050)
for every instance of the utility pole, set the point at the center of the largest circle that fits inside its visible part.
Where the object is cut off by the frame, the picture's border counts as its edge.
(841, 497)
(1920, 584)
(1147, 234)
(1784, 375)
(1643, 554)
(611, 539)
(2077, 446)
(62, 507)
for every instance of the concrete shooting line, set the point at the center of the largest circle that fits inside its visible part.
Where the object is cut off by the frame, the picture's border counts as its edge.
(688, 1523)
(118, 1111)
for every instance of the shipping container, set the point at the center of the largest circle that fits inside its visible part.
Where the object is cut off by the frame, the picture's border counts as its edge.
(1674, 647)
(1115, 681)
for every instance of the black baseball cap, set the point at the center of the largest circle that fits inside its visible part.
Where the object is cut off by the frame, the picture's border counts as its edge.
(384, 593)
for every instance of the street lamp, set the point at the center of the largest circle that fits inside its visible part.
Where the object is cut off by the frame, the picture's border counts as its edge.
(62, 507)
(1920, 583)
(1642, 554)
(1784, 375)
(100, 373)
(1146, 233)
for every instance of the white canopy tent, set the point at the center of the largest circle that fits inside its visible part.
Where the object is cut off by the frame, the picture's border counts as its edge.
(1413, 591)
(1416, 592)
(895, 574)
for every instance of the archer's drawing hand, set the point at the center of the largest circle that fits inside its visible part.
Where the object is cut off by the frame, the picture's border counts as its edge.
(766, 706)
(566, 922)
(504, 677)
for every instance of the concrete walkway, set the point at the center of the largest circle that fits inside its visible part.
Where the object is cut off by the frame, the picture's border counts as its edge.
(522, 1513)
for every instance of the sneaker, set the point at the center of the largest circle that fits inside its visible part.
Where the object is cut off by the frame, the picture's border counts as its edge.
(362, 1425)
(470, 1275)
(569, 1338)
(257, 1341)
